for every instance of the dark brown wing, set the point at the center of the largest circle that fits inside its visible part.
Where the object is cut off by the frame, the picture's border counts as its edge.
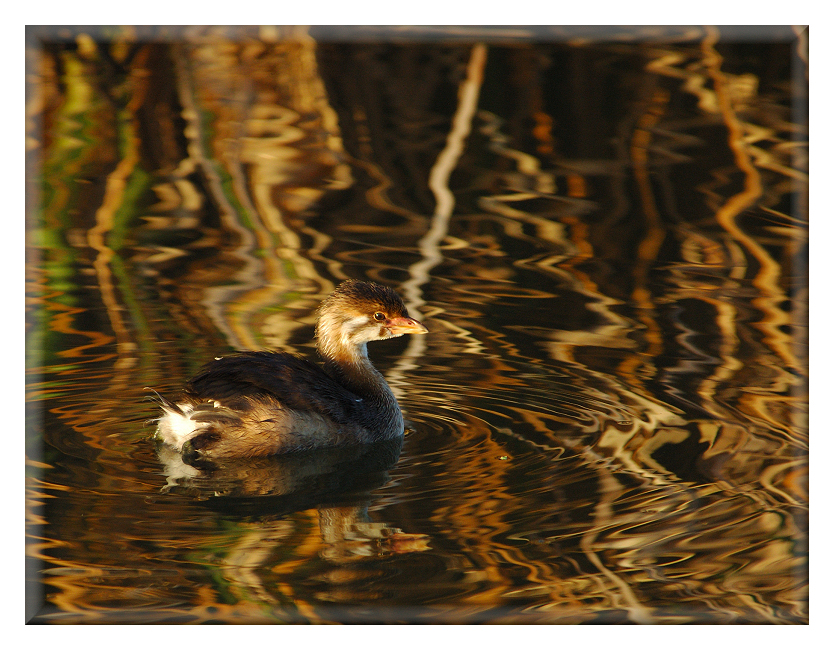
(239, 379)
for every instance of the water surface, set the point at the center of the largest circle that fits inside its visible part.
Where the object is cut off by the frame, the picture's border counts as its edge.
(605, 232)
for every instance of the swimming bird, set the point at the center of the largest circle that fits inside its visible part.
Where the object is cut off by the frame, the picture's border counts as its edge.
(262, 403)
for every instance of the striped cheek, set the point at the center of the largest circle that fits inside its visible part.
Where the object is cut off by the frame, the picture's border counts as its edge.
(350, 327)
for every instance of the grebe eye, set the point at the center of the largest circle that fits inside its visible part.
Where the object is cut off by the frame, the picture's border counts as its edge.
(379, 316)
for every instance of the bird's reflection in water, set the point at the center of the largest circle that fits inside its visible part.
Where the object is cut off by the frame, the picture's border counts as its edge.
(287, 482)
(260, 493)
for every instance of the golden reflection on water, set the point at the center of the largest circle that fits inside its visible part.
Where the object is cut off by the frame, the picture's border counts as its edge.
(606, 237)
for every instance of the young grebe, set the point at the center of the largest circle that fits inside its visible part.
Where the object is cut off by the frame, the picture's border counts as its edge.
(263, 403)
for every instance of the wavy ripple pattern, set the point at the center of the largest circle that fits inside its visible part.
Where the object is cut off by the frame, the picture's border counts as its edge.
(609, 420)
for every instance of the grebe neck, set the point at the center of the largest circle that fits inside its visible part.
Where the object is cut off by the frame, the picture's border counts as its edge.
(352, 368)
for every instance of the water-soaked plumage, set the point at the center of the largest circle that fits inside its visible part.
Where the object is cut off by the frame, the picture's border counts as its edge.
(263, 403)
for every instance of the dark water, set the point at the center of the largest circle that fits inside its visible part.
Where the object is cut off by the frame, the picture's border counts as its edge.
(605, 232)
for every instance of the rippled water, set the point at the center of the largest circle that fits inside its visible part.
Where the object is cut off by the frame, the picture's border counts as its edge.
(605, 232)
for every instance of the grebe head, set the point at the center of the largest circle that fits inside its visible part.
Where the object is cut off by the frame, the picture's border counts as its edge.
(359, 312)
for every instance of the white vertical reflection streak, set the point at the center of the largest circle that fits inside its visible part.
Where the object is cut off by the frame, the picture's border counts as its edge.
(429, 244)
(603, 514)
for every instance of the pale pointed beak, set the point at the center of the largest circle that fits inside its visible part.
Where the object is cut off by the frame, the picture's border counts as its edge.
(405, 325)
